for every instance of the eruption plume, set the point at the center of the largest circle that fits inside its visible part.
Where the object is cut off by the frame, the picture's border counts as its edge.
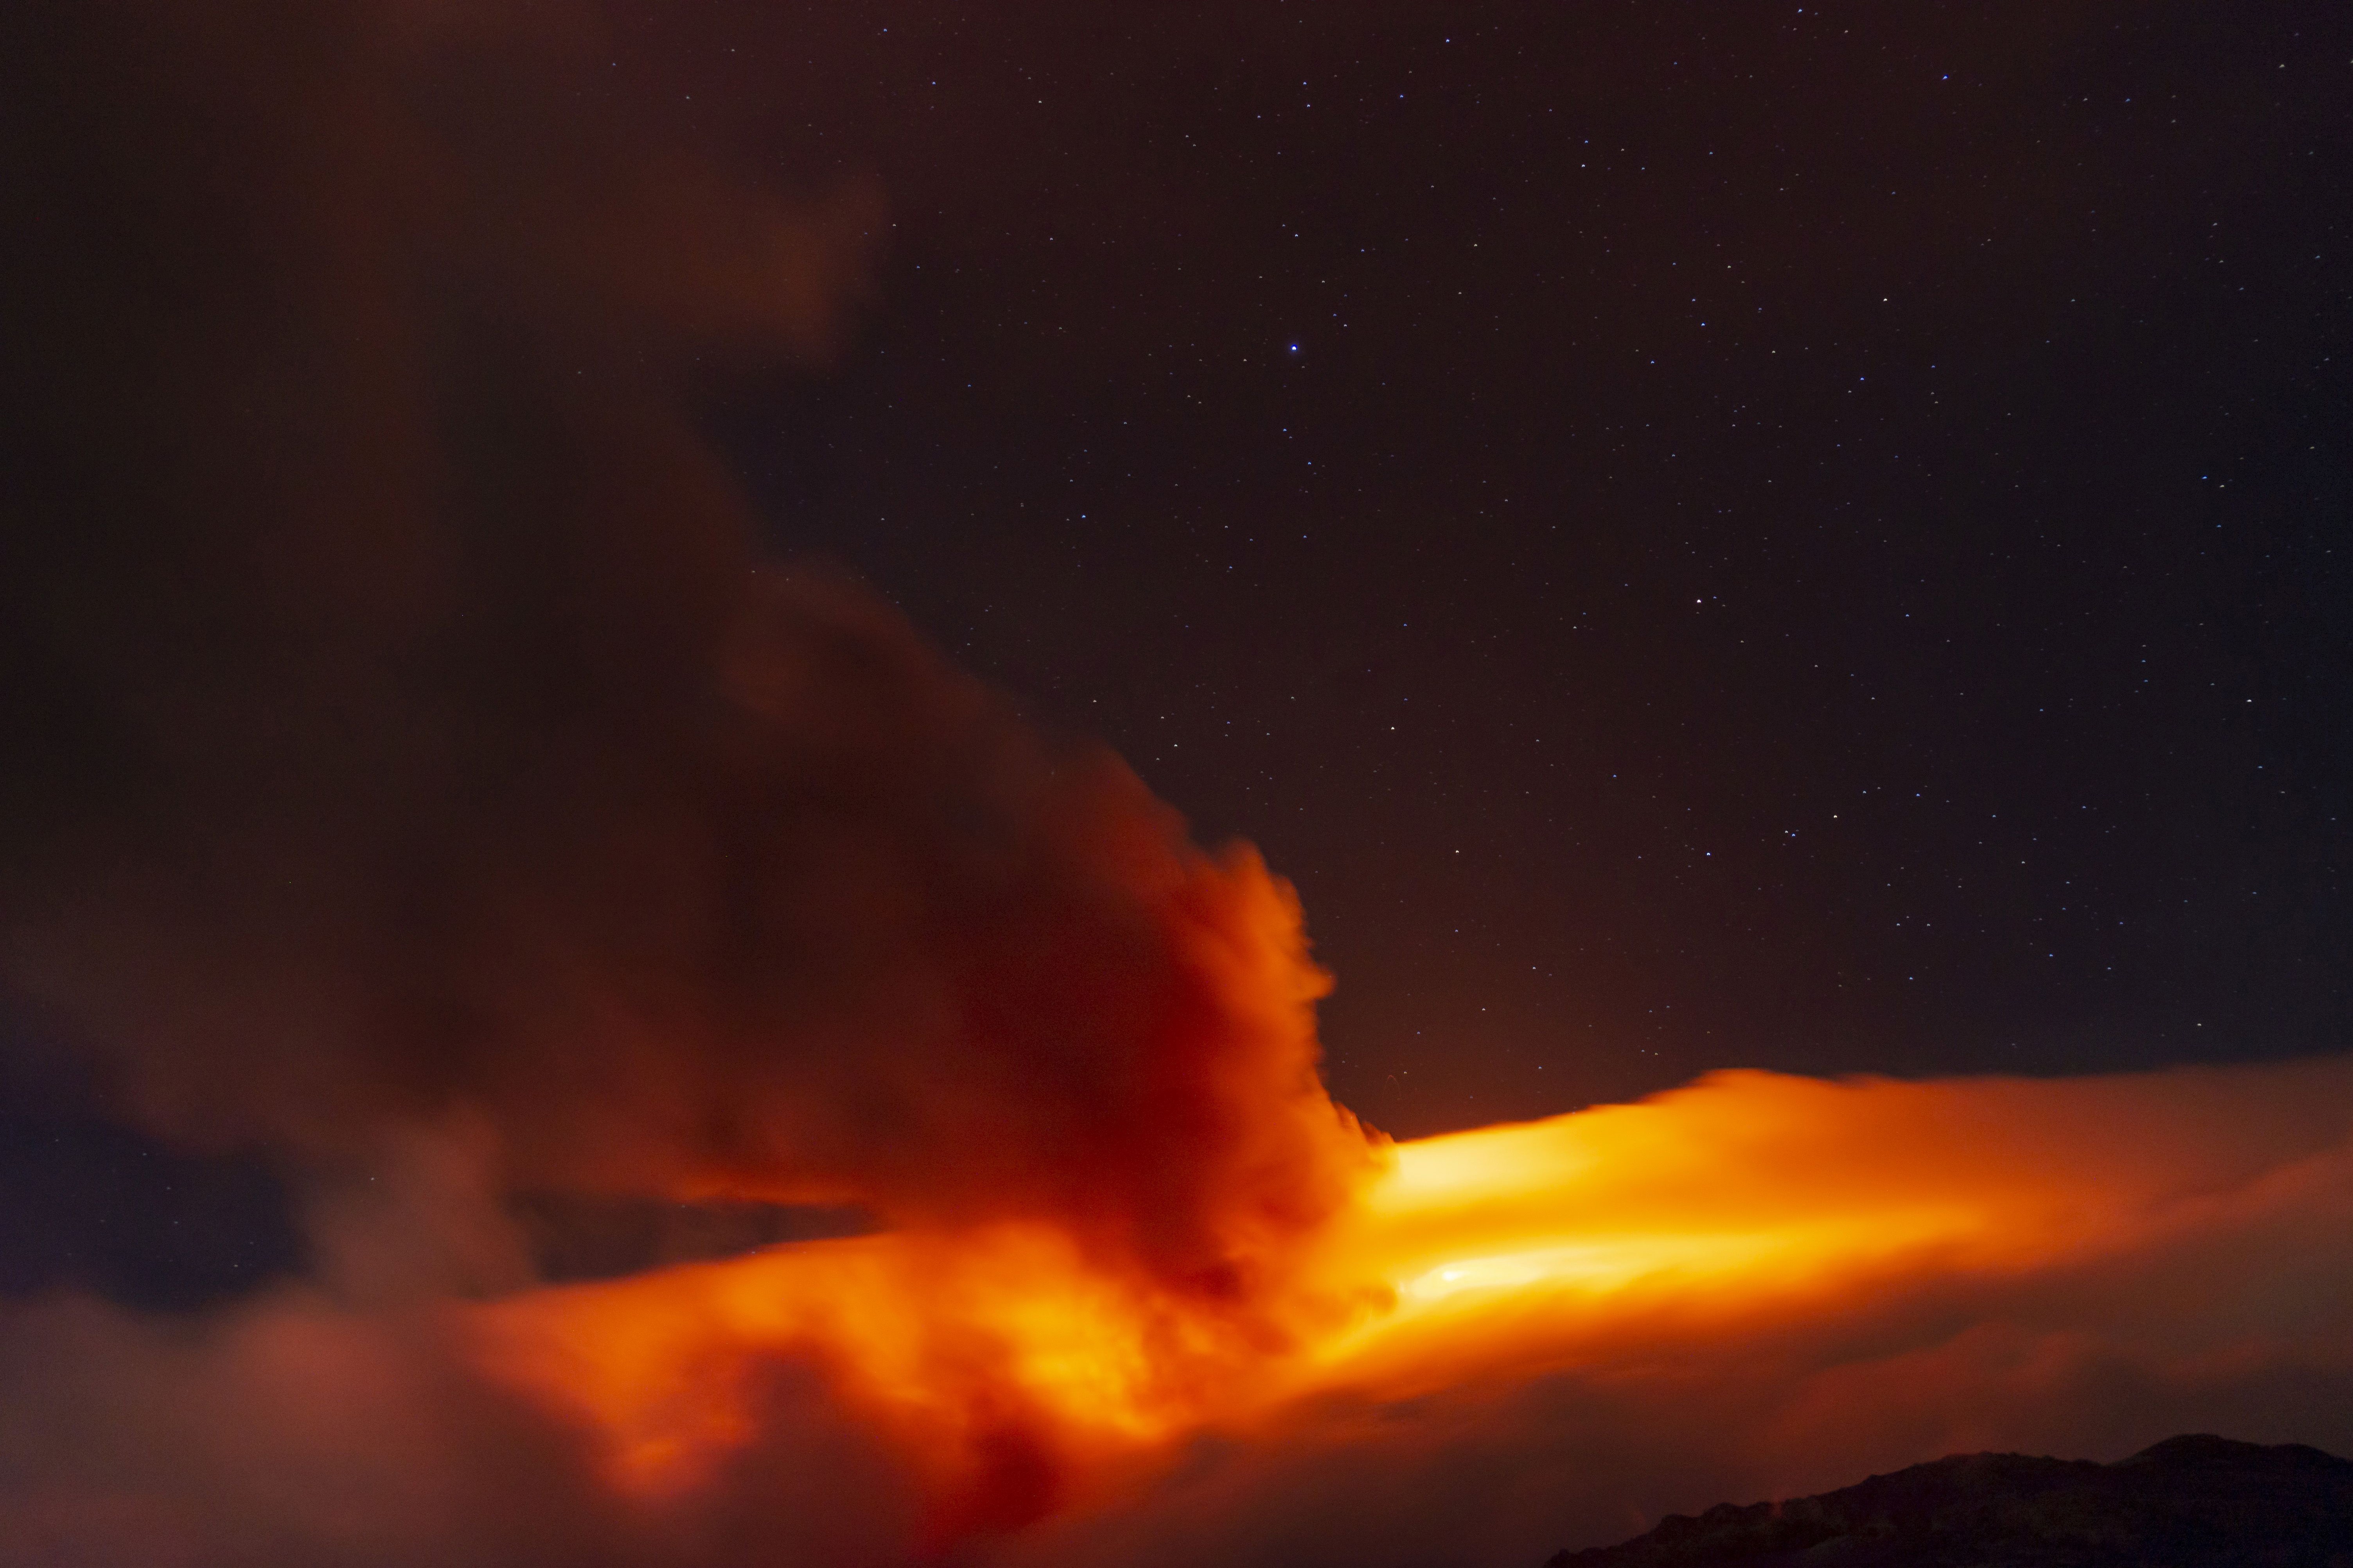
(415, 731)
(420, 773)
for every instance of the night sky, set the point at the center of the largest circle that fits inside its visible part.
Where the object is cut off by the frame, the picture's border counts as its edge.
(1695, 536)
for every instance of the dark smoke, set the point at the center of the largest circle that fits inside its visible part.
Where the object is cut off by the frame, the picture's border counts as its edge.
(408, 732)
(420, 780)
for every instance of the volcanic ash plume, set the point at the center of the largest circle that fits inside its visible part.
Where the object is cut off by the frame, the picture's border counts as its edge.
(412, 735)
(419, 774)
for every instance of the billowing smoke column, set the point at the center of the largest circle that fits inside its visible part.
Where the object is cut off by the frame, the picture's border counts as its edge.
(415, 772)
(406, 728)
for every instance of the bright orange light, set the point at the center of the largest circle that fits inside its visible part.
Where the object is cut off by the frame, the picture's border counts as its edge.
(1515, 1247)
(959, 1346)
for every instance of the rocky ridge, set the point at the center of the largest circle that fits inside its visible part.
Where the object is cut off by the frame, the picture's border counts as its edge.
(2187, 1502)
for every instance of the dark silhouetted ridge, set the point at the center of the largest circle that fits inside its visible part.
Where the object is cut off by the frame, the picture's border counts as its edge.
(2196, 1502)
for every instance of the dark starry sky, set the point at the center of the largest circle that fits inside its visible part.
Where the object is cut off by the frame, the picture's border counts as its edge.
(1695, 535)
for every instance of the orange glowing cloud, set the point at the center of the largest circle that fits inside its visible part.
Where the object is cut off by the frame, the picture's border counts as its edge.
(1501, 1341)
(1750, 1229)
